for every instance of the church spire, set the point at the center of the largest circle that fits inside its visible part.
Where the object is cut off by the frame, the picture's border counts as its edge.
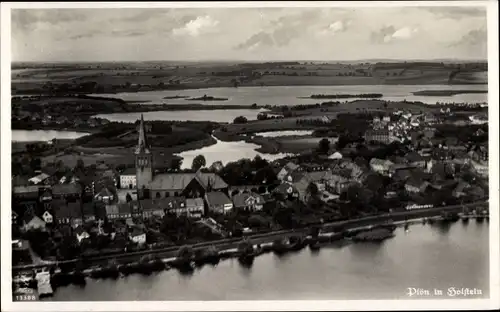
(142, 144)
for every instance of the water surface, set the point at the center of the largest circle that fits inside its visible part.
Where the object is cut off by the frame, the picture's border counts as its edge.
(426, 257)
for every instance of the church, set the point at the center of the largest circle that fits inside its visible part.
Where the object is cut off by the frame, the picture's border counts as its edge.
(151, 185)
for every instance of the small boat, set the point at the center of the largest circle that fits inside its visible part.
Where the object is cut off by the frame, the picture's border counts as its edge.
(465, 218)
(479, 218)
(407, 226)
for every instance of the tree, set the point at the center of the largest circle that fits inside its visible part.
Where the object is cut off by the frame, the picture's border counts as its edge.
(324, 146)
(80, 164)
(312, 189)
(176, 163)
(240, 120)
(199, 162)
(35, 164)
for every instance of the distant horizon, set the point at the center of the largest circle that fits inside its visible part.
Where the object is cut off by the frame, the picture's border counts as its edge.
(258, 61)
(339, 34)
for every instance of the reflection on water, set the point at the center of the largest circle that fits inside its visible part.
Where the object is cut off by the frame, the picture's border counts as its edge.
(273, 134)
(44, 135)
(422, 259)
(216, 115)
(226, 152)
(287, 95)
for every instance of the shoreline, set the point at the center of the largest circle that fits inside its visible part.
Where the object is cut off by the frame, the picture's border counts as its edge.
(201, 86)
(230, 243)
(297, 242)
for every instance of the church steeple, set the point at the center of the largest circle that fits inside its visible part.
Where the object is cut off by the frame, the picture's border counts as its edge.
(142, 144)
(143, 161)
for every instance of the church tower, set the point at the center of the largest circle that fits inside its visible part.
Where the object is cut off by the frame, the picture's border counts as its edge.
(143, 161)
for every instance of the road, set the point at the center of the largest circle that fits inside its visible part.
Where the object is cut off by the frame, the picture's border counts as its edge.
(230, 243)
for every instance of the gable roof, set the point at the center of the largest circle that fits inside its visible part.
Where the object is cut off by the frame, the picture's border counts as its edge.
(179, 181)
(65, 189)
(163, 203)
(128, 171)
(241, 200)
(105, 192)
(217, 199)
(66, 210)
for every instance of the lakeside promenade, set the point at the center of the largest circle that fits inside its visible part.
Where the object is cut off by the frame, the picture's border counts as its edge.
(231, 243)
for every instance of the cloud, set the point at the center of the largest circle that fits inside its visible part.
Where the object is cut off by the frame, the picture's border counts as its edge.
(456, 13)
(389, 34)
(336, 27)
(196, 27)
(283, 30)
(259, 39)
(476, 37)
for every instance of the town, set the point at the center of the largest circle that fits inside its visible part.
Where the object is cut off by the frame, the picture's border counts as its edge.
(402, 162)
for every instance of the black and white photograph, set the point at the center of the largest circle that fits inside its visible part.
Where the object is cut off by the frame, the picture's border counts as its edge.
(249, 152)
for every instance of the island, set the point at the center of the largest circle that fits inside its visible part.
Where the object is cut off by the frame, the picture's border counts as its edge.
(448, 92)
(206, 98)
(175, 97)
(344, 96)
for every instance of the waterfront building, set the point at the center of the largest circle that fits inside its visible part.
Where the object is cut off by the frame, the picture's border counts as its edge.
(81, 234)
(195, 207)
(138, 236)
(248, 201)
(218, 202)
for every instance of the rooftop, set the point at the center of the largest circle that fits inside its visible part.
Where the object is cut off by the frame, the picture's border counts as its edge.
(179, 181)
(217, 198)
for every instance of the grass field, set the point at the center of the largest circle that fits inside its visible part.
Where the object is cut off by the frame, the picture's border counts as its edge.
(198, 75)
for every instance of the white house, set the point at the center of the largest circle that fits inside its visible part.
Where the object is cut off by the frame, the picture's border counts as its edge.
(138, 236)
(128, 179)
(81, 234)
(380, 166)
(335, 155)
(286, 170)
(105, 196)
(34, 223)
(47, 217)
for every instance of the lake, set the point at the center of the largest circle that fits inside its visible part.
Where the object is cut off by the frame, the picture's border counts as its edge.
(427, 256)
(226, 152)
(289, 95)
(275, 134)
(218, 115)
(44, 135)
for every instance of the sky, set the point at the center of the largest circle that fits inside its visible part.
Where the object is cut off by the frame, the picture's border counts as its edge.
(252, 34)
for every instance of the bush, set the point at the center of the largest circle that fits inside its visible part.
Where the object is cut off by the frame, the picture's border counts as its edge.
(240, 120)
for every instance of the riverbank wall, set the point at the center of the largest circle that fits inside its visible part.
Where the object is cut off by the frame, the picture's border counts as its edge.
(231, 243)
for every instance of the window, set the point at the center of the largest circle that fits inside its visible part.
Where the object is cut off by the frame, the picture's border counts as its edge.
(158, 195)
(167, 194)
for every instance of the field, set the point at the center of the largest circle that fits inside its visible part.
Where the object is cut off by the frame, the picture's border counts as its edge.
(120, 77)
